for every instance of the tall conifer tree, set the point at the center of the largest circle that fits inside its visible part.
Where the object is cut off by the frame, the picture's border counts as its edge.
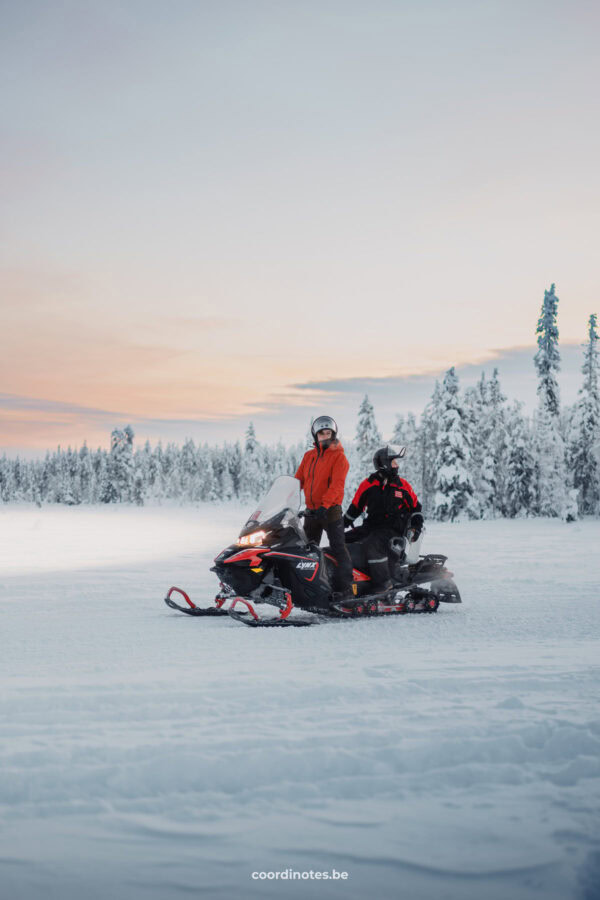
(584, 439)
(552, 487)
(454, 486)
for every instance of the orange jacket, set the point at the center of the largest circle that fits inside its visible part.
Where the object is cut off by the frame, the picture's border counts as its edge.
(322, 474)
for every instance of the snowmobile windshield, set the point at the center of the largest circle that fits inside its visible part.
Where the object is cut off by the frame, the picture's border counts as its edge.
(283, 494)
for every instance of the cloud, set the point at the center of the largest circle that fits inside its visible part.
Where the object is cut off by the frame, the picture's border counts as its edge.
(512, 363)
(13, 401)
(28, 421)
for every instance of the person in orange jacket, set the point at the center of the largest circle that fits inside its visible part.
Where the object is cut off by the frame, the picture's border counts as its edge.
(322, 475)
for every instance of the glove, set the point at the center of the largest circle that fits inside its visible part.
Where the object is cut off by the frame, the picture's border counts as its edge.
(321, 515)
(416, 524)
(348, 522)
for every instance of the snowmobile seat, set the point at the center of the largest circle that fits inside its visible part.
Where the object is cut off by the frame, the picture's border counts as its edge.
(358, 556)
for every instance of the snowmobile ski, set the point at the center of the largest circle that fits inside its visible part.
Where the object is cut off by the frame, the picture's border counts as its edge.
(191, 609)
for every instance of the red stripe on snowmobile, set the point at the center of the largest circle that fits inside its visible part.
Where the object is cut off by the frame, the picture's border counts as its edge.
(251, 555)
(360, 576)
(312, 577)
(356, 574)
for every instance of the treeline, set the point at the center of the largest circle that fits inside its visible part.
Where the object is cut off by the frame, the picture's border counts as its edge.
(470, 453)
(189, 473)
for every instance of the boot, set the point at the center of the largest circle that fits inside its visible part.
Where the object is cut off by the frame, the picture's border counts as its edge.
(381, 588)
(344, 596)
(380, 575)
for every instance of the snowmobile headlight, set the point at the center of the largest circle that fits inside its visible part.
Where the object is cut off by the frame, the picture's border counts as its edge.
(256, 537)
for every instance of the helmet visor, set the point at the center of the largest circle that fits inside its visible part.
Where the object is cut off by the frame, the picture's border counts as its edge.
(322, 422)
(395, 451)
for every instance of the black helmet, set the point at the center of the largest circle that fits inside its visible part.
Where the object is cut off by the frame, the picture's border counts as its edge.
(383, 458)
(322, 422)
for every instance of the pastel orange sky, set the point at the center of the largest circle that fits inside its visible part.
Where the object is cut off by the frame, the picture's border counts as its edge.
(207, 212)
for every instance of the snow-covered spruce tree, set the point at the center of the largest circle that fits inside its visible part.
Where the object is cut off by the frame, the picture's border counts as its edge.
(99, 465)
(59, 483)
(118, 481)
(552, 486)
(428, 433)
(251, 475)
(188, 470)
(42, 478)
(86, 474)
(234, 464)
(497, 441)
(309, 440)
(361, 451)
(584, 436)
(157, 482)
(485, 408)
(295, 454)
(171, 471)
(356, 473)
(69, 484)
(520, 484)
(21, 480)
(454, 486)
(280, 464)
(207, 484)
(7, 486)
(406, 434)
(17, 480)
(368, 436)
(138, 486)
(225, 486)
(547, 358)
(73, 465)
(143, 464)
(399, 431)
(482, 462)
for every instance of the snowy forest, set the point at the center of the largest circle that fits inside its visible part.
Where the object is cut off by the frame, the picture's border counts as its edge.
(469, 454)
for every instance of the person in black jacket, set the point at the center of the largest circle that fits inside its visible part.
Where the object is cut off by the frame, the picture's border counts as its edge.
(391, 508)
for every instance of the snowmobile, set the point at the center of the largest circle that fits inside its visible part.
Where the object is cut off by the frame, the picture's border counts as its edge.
(273, 576)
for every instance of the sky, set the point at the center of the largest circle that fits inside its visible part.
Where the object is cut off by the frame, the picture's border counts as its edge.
(218, 212)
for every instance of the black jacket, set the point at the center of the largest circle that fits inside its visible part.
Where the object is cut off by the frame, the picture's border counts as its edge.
(389, 503)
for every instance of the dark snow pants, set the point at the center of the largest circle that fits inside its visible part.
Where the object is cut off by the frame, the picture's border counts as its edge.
(376, 548)
(337, 542)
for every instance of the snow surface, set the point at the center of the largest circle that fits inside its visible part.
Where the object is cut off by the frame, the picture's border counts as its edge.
(145, 754)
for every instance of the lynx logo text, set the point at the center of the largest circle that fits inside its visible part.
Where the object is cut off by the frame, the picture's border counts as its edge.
(306, 565)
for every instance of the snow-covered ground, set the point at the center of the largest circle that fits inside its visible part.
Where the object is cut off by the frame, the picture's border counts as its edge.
(149, 755)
